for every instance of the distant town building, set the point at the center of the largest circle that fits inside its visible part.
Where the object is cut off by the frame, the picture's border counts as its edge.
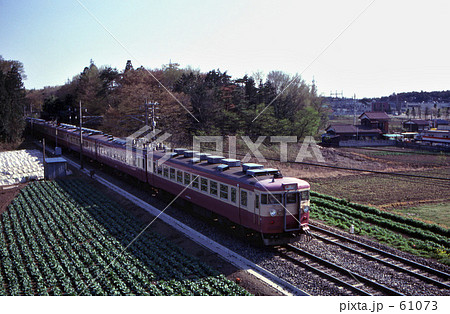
(343, 132)
(373, 126)
(438, 123)
(381, 106)
(375, 120)
(416, 125)
(346, 106)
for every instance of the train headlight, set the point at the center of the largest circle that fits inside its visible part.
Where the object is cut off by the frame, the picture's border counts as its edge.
(273, 212)
(306, 209)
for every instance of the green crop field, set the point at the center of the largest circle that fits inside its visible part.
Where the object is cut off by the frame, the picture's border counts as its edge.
(414, 236)
(66, 238)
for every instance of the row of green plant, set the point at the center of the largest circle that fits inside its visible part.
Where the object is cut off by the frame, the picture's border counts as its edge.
(416, 246)
(383, 222)
(66, 238)
(372, 210)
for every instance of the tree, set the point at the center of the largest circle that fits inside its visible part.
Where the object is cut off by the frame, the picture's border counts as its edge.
(89, 89)
(132, 89)
(171, 74)
(427, 112)
(307, 122)
(12, 100)
(209, 96)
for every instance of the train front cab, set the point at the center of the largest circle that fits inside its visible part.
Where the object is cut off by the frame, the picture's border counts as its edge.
(284, 215)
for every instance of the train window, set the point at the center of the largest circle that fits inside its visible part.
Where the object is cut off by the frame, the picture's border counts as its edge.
(291, 198)
(233, 195)
(166, 172)
(256, 201)
(179, 176)
(243, 198)
(195, 182)
(224, 191)
(187, 178)
(304, 195)
(275, 199)
(213, 188)
(263, 198)
(204, 184)
(154, 167)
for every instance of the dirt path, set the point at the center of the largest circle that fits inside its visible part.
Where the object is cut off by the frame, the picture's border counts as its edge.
(7, 194)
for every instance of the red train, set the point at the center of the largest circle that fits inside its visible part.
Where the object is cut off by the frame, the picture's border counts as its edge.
(247, 194)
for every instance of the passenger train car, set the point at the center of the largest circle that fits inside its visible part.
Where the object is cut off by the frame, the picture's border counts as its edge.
(249, 195)
(436, 137)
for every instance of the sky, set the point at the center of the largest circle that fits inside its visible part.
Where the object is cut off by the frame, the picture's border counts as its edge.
(364, 48)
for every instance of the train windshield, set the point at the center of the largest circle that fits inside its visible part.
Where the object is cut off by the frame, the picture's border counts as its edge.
(304, 195)
(291, 198)
(271, 199)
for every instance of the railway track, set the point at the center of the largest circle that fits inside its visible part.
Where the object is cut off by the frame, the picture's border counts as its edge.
(398, 263)
(347, 281)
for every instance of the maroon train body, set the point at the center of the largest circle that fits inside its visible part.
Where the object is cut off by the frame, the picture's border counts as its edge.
(249, 195)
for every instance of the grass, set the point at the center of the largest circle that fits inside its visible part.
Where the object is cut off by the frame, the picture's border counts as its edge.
(434, 213)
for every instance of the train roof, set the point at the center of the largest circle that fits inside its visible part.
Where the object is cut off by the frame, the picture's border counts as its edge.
(262, 178)
(248, 173)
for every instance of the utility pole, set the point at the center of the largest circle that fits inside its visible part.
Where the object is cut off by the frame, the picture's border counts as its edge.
(146, 111)
(56, 135)
(81, 138)
(154, 104)
(151, 114)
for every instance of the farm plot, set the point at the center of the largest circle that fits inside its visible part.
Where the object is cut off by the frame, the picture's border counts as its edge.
(65, 238)
(407, 234)
(20, 166)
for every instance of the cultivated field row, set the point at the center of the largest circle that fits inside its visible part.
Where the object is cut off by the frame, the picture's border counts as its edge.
(64, 238)
(407, 234)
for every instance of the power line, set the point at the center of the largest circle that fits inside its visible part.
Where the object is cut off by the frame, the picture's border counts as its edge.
(357, 169)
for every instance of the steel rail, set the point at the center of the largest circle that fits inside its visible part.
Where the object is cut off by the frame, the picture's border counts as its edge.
(344, 271)
(419, 266)
(338, 281)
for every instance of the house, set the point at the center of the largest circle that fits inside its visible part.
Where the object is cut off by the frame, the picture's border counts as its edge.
(438, 123)
(416, 125)
(375, 120)
(343, 132)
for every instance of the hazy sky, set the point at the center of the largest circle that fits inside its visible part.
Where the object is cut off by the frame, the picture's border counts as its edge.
(394, 46)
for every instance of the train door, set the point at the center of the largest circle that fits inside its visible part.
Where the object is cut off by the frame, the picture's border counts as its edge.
(252, 209)
(291, 204)
(246, 208)
(150, 169)
(238, 200)
(257, 208)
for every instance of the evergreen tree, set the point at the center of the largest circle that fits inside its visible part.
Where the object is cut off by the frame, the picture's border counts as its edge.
(12, 100)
